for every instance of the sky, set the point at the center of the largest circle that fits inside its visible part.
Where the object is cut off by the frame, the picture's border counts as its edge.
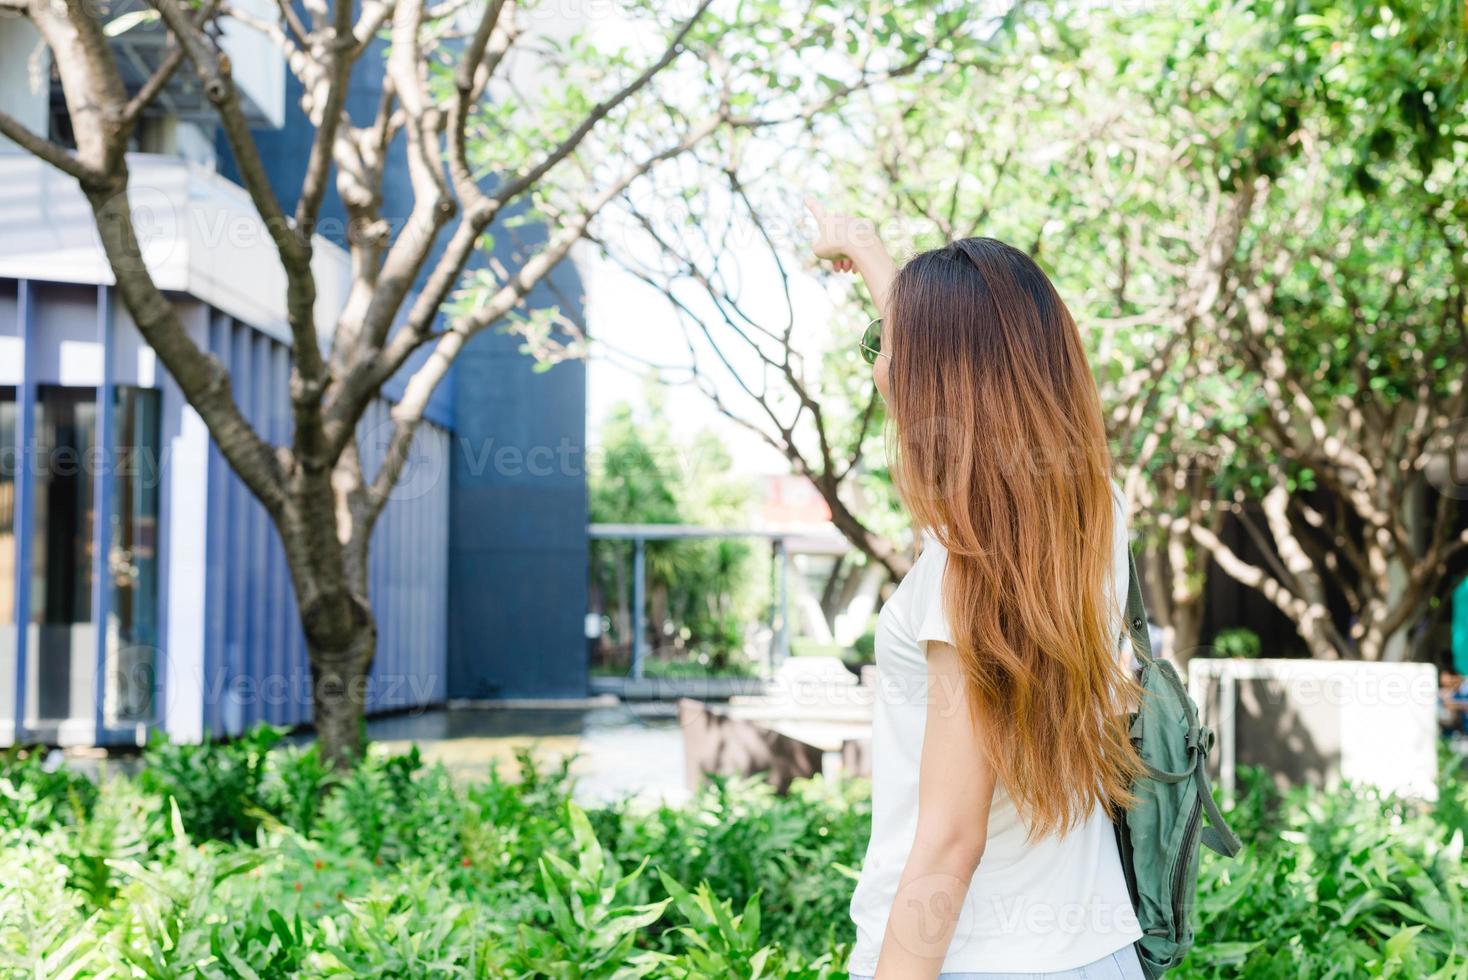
(632, 324)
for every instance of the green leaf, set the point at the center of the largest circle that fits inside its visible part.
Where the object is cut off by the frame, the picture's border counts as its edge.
(1398, 944)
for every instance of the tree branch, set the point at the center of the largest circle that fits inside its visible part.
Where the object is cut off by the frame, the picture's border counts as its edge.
(53, 153)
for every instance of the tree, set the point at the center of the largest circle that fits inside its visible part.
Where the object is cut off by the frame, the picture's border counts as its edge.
(1026, 131)
(478, 149)
(749, 354)
(721, 259)
(1349, 325)
(1255, 212)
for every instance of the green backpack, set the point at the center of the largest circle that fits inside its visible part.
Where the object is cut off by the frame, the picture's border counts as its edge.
(1158, 837)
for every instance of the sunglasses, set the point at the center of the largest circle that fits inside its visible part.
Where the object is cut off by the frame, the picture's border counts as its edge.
(871, 341)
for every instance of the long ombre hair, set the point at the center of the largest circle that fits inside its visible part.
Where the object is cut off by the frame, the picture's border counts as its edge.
(1001, 454)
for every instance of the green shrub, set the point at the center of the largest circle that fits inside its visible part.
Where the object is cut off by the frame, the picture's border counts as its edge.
(701, 666)
(1341, 883)
(33, 794)
(1238, 642)
(393, 870)
(217, 786)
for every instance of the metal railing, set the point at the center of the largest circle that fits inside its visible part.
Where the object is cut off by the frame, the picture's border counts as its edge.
(784, 540)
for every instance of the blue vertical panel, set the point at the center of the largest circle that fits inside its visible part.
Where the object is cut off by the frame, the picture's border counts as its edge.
(257, 631)
(413, 597)
(216, 594)
(442, 516)
(425, 595)
(407, 654)
(285, 602)
(186, 535)
(367, 461)
(261, 626)
(403, 660)
(273, 693)
(394, 567)
(238, 559)
(408, 562)
(400, 662)
(103, 487)
(266, 616)
(25, 436)
(436, 598)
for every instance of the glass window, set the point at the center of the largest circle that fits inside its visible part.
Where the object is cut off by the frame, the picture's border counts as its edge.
(132, 560)
(61, 558)
(61, 554)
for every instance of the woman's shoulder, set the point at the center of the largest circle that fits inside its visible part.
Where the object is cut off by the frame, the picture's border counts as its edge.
(1120, 510)
(933, 550)
(927, 569)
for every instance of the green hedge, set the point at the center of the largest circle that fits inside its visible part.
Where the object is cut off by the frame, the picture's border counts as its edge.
(249, 860)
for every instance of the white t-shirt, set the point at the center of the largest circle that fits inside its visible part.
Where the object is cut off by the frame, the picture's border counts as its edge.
(1055, 904)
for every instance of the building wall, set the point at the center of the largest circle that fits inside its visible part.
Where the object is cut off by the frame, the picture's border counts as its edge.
(518, 554)
(255, 662)
(227, 650)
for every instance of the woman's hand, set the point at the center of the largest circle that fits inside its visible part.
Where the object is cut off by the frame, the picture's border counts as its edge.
(840, 238)
(851, 243)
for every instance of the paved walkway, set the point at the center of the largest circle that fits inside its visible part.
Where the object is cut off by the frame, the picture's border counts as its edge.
(620, 752)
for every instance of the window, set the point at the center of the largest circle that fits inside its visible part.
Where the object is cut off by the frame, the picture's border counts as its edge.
(61, 558)
(132, 560)
(70, 465)
(61, 553)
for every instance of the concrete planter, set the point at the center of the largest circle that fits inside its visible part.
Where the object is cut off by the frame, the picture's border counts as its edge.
(813, 718)
(1316, 722)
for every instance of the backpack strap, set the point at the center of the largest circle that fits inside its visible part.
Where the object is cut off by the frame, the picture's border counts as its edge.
(1136, 613)
(1218, 836)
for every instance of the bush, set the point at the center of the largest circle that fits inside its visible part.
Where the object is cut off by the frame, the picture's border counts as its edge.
(398, 871)
(1238, 643)
(395, 870)
(217, 786)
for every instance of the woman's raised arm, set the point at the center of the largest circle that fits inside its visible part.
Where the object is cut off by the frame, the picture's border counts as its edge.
(853, 244)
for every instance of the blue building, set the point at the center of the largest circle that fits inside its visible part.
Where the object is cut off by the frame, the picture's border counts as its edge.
(141, 586)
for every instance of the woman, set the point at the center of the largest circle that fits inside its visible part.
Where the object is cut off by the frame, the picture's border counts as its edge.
(998, 740)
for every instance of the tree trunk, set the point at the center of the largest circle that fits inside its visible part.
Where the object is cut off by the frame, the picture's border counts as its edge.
(326, 529)
(1186, 623)
(339, 697)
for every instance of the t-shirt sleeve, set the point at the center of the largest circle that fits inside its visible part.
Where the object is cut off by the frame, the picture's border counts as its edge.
(1120, 549)
(932, 619)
